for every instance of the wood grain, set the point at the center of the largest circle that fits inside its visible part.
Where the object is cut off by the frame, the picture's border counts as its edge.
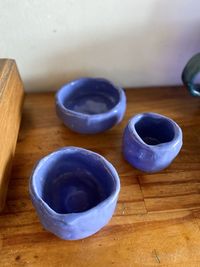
(157, 220)
(11, 97)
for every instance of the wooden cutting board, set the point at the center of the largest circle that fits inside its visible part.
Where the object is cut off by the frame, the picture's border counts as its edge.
(11, 98)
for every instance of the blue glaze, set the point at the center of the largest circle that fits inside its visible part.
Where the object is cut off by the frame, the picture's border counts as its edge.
(151, 141)
(74, 192)
(90, 105)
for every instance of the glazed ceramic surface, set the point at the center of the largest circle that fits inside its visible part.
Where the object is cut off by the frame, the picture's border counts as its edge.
(90, 105)
(190, 73)
(74, 192)
(151, 141)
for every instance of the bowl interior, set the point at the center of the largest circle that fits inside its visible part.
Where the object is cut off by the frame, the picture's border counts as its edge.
(71, 183)
(90, 96)
(154, 131)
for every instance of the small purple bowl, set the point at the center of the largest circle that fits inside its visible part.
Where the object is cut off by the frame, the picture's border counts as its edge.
(74, 192)
(151, 141)
(90, 105)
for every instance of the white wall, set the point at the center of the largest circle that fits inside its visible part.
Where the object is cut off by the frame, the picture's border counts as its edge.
(132, 42)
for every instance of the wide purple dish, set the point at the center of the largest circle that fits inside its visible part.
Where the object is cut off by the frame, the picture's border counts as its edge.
(90, 105)
(151, 141)
(74, 192)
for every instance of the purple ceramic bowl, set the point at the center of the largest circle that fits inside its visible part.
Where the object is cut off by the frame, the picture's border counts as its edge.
(151, 141)
(74, 192)
(90, 105)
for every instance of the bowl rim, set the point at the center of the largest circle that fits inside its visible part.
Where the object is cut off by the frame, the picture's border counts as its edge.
(134, 134)
(71, 217)
(70, 112)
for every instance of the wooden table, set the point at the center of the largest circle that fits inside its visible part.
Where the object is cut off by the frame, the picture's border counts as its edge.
(157, 220)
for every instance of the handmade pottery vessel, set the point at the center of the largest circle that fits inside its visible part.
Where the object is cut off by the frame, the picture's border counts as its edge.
(74, 192)
(151, 141)
(90, 105)
(190, 75)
